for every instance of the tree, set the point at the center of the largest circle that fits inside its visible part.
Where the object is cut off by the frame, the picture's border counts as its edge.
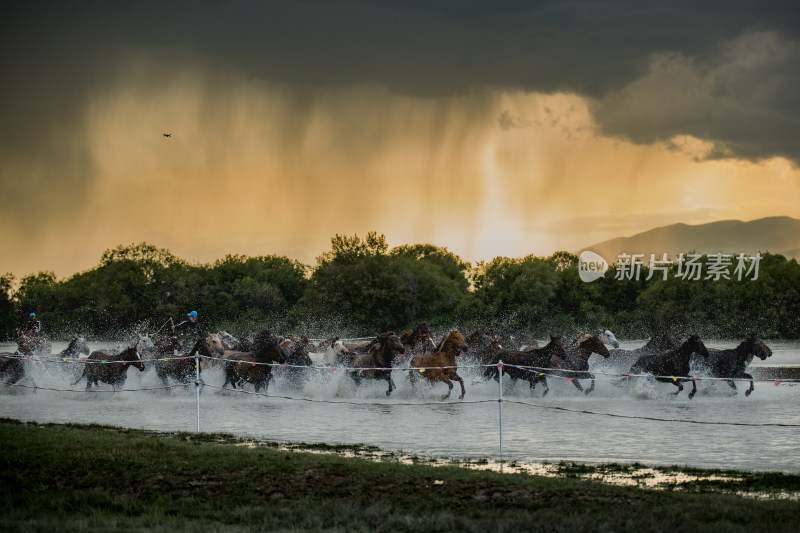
(7, 319)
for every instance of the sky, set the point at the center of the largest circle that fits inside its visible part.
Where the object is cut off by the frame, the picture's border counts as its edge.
(489, 128)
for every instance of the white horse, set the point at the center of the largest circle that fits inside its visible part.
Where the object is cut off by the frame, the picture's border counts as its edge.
(607, 337)
(333, 351)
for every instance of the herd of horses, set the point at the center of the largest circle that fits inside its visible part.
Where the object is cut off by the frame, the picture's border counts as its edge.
(665, 358)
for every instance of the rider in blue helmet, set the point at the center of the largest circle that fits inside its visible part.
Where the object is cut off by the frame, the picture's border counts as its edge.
(32, 326)
(189, 328)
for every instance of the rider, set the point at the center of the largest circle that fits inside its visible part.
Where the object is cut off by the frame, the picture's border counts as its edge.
(32, 326)
(188, 328)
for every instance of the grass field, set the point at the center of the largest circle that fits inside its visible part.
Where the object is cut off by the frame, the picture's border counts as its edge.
(78, 478)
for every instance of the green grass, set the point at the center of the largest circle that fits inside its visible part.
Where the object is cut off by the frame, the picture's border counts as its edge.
(77, 478)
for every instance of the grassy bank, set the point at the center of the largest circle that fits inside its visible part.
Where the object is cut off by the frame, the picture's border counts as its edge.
(68, 478)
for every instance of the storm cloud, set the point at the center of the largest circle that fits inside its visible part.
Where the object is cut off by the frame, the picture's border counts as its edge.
(287, 97)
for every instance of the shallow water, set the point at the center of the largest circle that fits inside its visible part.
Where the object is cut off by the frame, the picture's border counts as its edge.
(650, 426)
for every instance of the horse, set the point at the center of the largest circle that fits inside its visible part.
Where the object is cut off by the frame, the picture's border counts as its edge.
(528, 364)
(232, 343)
(441, 365)
(576, 362)
(672, 366)
(12, 368)
(297, 350)
(254, 367)
(732, 363)
(481, 346)
(418, 341)
(182, 368)
(377, 364)
(77, 346)
(662, 341)
(110, 368)
(33, 345)
(334, 351)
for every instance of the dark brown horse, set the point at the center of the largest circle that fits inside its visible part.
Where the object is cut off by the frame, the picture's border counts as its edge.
(377, 364)
(441, 365)
(33, 345)
(672, 366)
(12, 369)
(530, 364)
(732, 363)
(297, 350)
(418, 341)
(110, 368)
(576, 362)
(254, 367)
(182, 368)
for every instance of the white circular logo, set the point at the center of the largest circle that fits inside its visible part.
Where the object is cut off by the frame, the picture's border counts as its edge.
(591, 266)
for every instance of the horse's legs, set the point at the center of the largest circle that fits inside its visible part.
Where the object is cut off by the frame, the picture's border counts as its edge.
(579, 387)
(537, 379)
(591, 387)
(449, 384)
(391, 384)
(752, 386)
(461, 381)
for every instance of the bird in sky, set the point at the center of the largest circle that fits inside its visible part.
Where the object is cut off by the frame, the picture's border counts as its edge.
(167, 135)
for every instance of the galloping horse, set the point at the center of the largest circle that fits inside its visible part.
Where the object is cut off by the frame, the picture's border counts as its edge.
(33, 345)
(254, 367)
(377, 364)
(12, 368)
(110, 368)
(182, 368)
(441, 366)
(418, 341)
(334, 351)
(528, 365)
(672, 366)
(732, 363)
(297, 350)
(577, 360)
(77, 346)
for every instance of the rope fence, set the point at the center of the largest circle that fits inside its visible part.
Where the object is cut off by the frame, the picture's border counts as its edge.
(557, 373)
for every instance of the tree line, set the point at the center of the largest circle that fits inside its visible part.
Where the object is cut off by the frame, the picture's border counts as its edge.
(361, 287)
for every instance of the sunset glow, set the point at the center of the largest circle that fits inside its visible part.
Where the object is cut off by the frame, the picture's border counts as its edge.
(262, 166)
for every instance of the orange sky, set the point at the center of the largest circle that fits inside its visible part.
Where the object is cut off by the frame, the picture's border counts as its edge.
(257, 166)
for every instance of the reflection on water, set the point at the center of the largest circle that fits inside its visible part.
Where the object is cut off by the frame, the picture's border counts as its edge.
(416, 423)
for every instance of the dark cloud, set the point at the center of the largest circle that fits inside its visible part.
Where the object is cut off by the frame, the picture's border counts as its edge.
(56, 56)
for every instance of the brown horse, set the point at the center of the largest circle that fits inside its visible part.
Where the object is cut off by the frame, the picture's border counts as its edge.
(12, 368)
(33, 345)
(377, 364)
(418, 341)
(576, 362)
(528, 364)
(297, 350)
(254, 367)
(441, 366)
(110, 368)
(672, 366)
(181, 368)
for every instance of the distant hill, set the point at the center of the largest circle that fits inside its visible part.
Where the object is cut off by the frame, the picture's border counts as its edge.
(779, 235)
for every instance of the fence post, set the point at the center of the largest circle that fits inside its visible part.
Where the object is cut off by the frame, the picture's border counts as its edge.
(500, 403)
(197, 388)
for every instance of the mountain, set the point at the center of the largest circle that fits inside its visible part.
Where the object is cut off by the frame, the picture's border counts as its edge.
(779, 235)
